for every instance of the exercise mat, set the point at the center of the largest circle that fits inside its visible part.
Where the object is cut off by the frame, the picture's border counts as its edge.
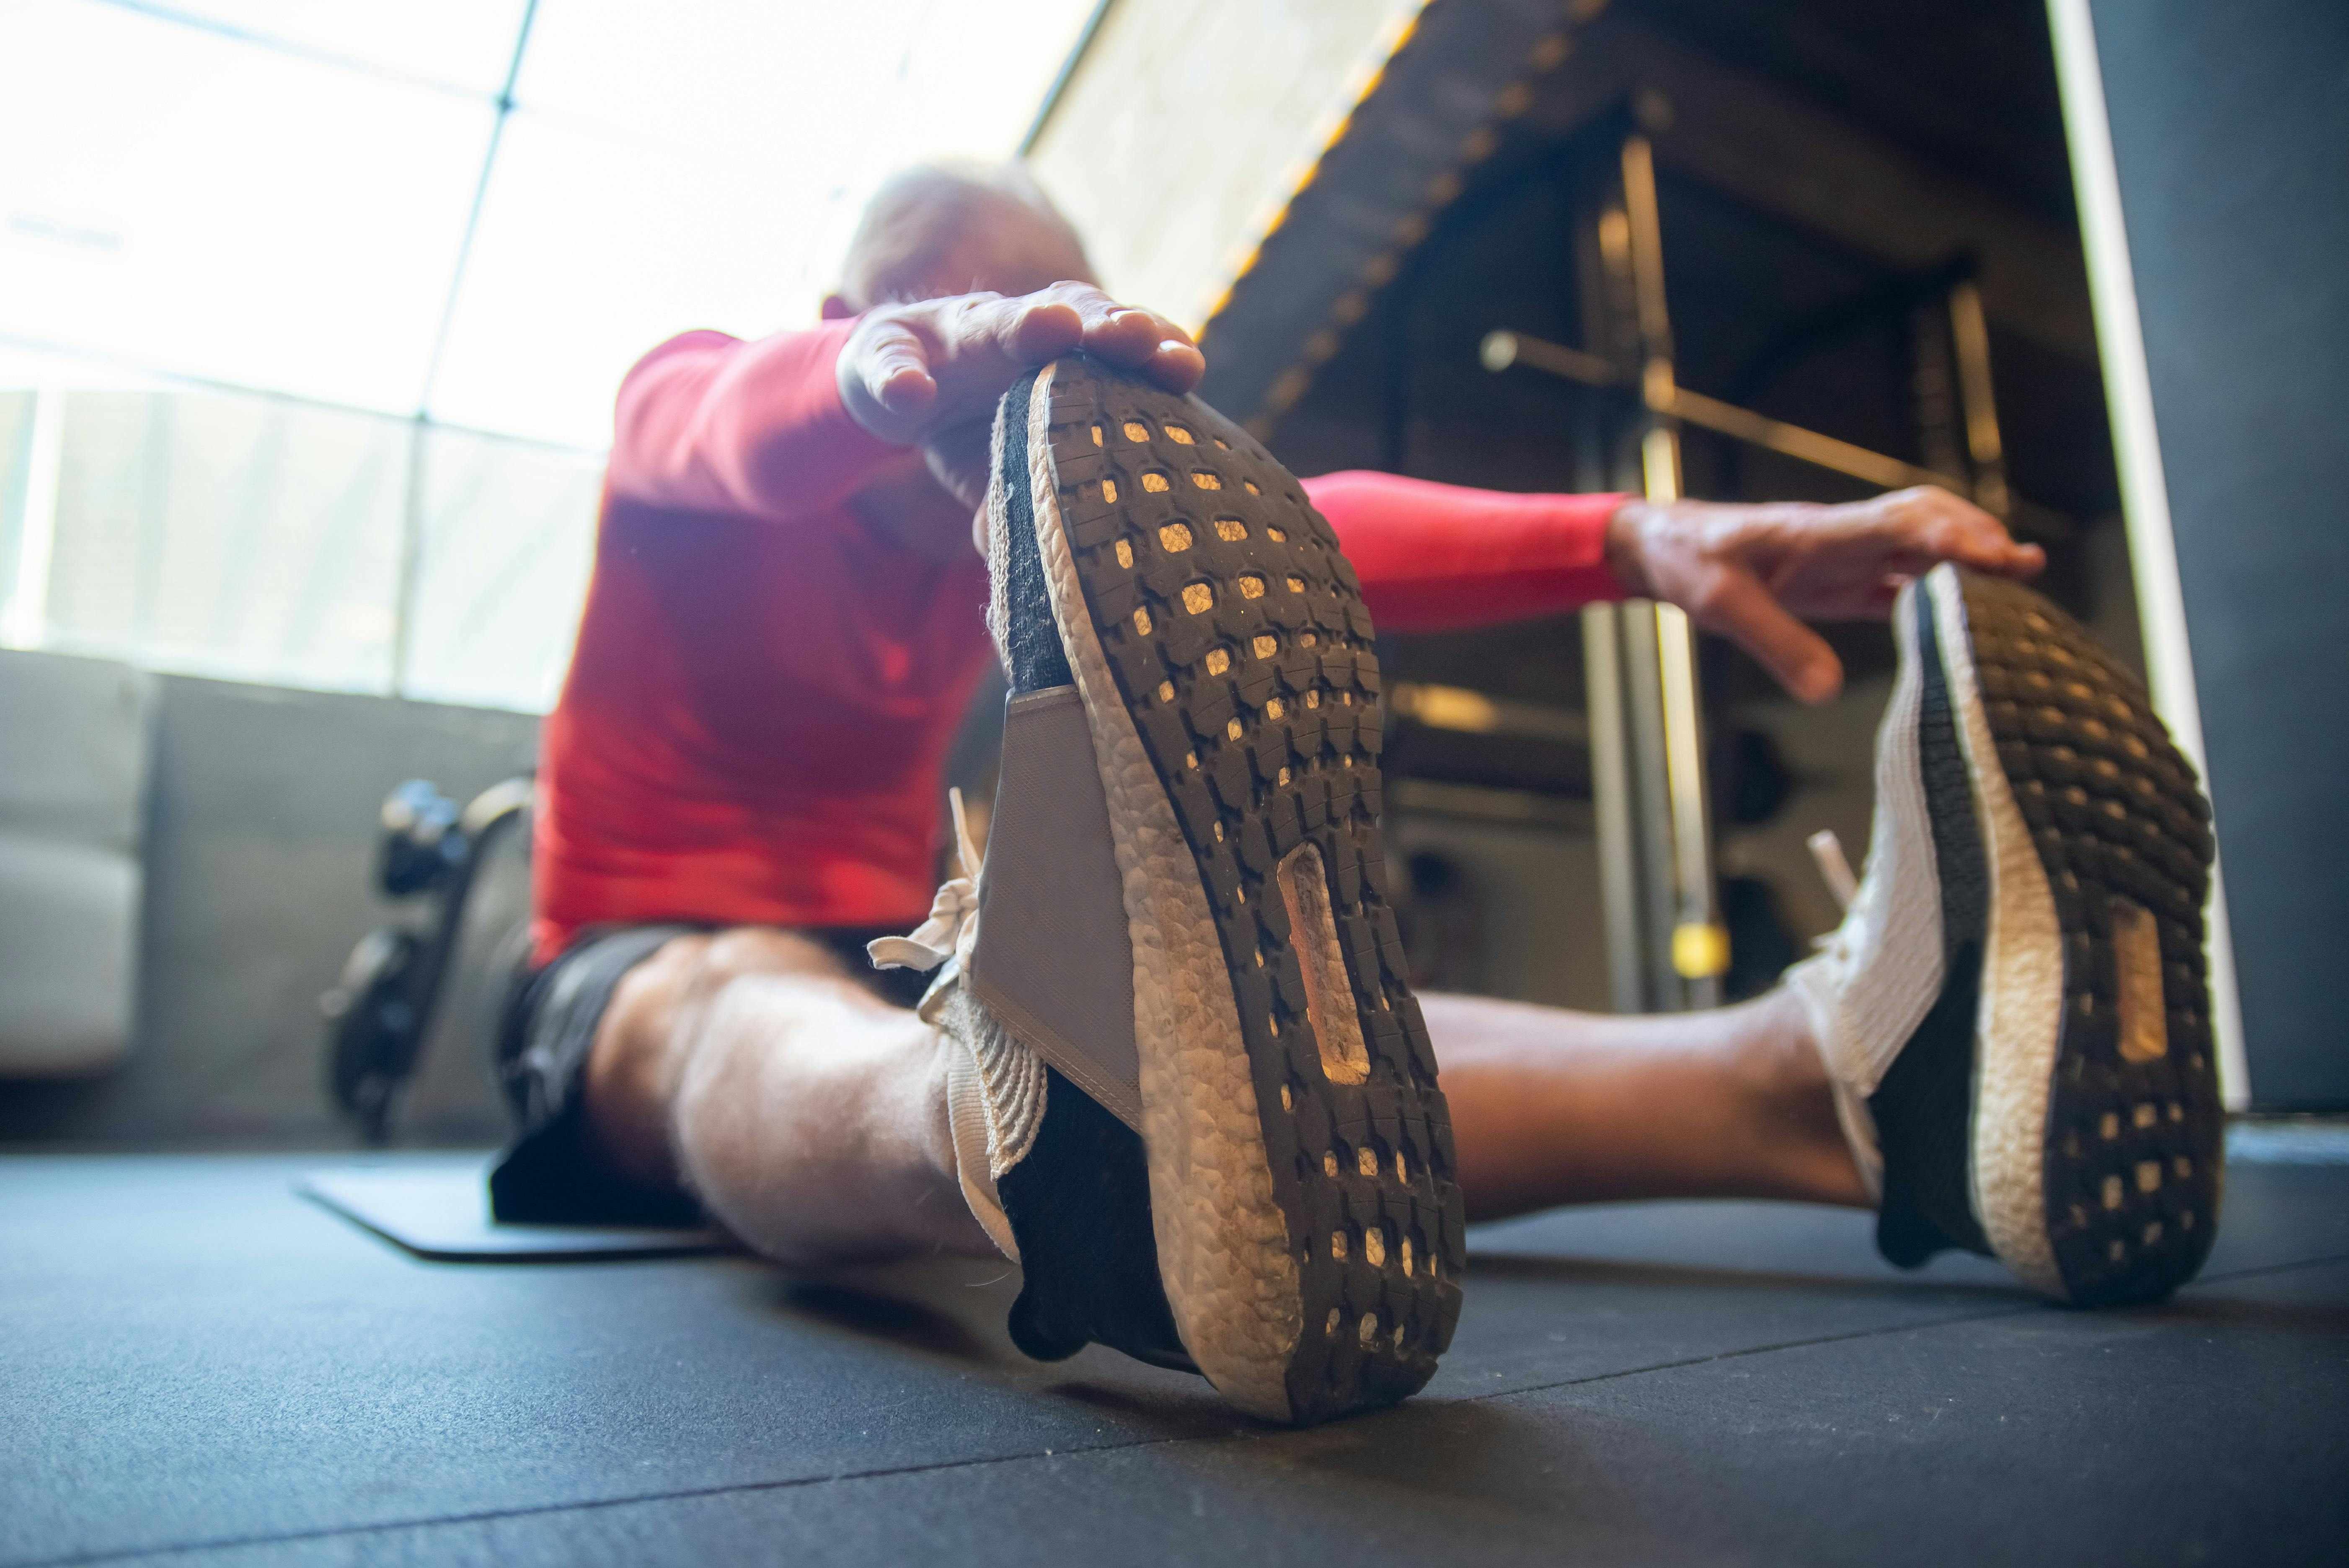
(439, 1210)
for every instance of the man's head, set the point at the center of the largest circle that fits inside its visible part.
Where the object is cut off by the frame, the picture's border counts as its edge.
(944, 230)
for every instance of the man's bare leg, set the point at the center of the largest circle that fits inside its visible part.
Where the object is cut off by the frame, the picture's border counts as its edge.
(810, 1116)
(1551, 1107)
(807, 1114)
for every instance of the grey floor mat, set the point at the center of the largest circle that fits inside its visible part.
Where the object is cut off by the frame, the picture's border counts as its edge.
(440, 1211)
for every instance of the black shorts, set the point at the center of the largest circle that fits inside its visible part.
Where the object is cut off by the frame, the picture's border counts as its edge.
(552, 1174)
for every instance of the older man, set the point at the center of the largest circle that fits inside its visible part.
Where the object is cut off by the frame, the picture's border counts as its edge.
(741, 791)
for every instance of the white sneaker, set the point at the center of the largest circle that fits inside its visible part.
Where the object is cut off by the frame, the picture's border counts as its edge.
(2014, 1013)
(1242, 1162)
(995, 1083)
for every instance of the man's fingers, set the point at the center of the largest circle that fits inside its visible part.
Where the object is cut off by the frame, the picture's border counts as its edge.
(1737, 606)
(1139, 339)
(1051, 321)
(1939, 526)
(1041, 330)
(1175, 364)
(2015, 560)
(913, 369)
(887, 379)
(903, 385)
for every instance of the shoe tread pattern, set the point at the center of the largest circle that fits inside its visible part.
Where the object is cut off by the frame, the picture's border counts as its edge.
(1244, 655)
(2134, 1148)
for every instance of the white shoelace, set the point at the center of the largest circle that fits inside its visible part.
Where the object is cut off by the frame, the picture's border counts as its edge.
(1835, 868)
(951, 928)
(995, 1087)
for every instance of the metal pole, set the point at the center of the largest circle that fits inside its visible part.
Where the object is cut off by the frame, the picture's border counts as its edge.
(1651, 795)
(1933, 388)
(1610, 800)
(1605, 290)
(25, 618)
(1985, 452)
(414, 517)
(1697, 948)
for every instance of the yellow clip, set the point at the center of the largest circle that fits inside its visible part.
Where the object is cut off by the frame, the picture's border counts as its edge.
(1699, 952)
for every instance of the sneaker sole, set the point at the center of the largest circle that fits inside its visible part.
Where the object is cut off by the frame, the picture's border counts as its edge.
(2095, 1131)
(1310, 1233)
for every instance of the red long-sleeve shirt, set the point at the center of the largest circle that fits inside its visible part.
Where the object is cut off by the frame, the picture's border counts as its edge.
(754, 726)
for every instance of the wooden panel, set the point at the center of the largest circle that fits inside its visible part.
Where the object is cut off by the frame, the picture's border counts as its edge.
(1184, 130)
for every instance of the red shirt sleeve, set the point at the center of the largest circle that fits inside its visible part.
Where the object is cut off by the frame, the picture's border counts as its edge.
(1442, 558)
(709, 422)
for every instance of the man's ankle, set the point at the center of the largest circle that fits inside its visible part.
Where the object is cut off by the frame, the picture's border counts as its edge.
(1794, 1103)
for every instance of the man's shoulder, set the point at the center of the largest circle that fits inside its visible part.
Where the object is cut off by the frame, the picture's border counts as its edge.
(699, 340)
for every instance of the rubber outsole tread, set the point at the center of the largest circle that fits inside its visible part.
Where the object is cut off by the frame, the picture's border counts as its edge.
(1237, 634)
(2134, 1144)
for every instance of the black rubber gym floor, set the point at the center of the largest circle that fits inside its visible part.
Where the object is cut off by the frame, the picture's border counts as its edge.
(195, 1365)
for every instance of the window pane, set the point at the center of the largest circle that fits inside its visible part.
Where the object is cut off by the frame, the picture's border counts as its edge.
(592, 249)
(683, 167)
(194, 204)
(766, 75)
(509, 531)
(466, 44)
(229, 534)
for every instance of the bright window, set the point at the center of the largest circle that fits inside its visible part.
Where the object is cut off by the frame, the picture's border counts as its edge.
(233, 536)
(309, 337)
(186, 202)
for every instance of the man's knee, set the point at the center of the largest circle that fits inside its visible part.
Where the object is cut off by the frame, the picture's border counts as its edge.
(637, 1062)
(662, 998)
(741, 951)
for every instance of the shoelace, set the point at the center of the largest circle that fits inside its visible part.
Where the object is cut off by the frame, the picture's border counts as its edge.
(950, 930)
(1834, 870)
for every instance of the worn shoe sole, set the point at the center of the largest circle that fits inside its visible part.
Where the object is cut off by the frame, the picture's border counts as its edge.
(1309, 1234)
(2074, 849)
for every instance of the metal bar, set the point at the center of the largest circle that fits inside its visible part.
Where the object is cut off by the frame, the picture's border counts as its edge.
(410, 581)
(23, 620)
(1471, 712)
(1051, 99)
(1501, 350)
(505, 107)
(1970, 336)
(1933, 387)
(1610, 800)
(1700, 946)
(259, 40)
(1656, 870)
(1693, 952)
(1809, 446)
(1647, 249)
(149, 379)
(1602, 270)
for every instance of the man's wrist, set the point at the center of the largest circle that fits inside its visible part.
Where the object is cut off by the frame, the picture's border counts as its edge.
(1626, 548)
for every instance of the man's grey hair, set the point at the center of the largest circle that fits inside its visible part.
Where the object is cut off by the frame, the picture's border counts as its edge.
(919, 214)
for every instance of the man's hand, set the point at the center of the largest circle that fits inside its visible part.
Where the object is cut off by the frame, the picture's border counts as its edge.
(930, 372)
(1755, 573)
